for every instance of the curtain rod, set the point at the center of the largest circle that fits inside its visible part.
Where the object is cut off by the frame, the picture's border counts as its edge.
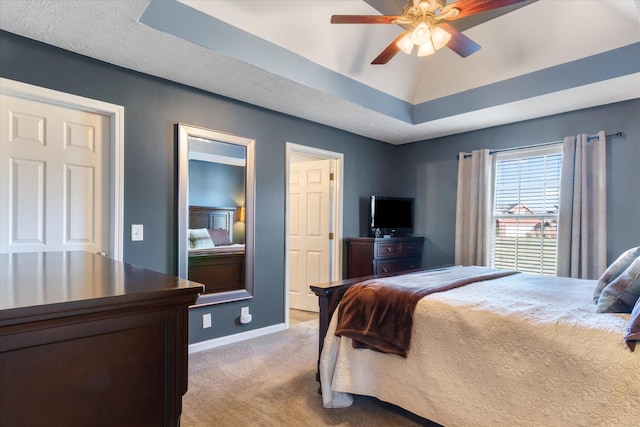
(612, 135)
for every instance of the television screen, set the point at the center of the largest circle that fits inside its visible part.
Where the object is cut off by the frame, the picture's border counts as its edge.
(391, 215)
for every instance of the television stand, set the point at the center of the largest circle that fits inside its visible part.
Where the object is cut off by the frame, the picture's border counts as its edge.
(380, 255)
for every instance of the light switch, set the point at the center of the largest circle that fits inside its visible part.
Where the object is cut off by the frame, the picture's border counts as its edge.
(137, 232)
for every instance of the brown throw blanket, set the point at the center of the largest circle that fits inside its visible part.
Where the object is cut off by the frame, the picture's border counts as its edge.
(378, 314)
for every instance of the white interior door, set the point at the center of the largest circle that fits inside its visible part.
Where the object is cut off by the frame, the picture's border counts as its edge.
(54, 177)
(309, 228)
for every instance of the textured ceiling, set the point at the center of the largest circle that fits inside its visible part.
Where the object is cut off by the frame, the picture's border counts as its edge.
(544, 58)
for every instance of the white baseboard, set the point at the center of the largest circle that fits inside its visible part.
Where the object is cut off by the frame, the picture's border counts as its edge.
(230, 339)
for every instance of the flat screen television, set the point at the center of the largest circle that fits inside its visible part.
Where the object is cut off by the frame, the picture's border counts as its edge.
(391, 216)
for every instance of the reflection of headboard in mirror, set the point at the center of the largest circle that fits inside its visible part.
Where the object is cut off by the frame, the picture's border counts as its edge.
(221, 268)
(209, 217)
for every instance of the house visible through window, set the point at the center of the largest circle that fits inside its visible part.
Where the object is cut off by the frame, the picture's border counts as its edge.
(525, 209)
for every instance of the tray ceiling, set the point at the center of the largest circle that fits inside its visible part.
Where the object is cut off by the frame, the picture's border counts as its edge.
(538, 58)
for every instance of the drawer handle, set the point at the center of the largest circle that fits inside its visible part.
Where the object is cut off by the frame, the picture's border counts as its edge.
(388, 249)
(384, 270)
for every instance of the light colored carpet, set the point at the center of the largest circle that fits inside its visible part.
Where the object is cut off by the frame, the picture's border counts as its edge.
(270, 381)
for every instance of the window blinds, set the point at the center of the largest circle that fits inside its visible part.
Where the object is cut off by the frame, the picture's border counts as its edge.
(525, 210)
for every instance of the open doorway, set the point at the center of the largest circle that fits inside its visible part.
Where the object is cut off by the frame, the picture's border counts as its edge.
(313, 223)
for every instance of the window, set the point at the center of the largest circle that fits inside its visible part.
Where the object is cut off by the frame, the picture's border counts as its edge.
(525, 209)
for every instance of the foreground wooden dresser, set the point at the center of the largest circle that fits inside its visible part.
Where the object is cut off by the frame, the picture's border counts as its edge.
(88, 341)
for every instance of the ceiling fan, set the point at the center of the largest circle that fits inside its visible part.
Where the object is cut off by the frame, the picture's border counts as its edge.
(425, 26)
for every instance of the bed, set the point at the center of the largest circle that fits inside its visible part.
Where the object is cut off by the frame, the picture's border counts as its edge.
(214, 259)
(506, 349)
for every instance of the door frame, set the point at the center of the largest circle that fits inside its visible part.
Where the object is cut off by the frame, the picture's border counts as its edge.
(115, 113)
(336, 203)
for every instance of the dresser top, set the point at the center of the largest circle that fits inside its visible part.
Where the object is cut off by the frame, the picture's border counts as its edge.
(31, 281)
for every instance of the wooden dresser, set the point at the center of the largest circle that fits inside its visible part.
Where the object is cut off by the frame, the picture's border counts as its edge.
(371, 256)
(88, 341)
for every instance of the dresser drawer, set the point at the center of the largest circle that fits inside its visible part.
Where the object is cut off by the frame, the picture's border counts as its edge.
(395, 265)
(384, 249)
(390, 249)
(410, 248)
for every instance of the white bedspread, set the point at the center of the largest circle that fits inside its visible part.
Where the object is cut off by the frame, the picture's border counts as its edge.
(516, 351)
(235, 248)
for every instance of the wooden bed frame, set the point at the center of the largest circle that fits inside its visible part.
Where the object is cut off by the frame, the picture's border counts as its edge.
(220, 271)
(520, 355)
(329, 295)
(210, 217)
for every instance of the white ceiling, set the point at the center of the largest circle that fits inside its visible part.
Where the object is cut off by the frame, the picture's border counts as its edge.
(547, 57)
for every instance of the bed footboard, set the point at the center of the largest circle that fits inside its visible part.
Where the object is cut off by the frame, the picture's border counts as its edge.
(218, 272)
(329, 296)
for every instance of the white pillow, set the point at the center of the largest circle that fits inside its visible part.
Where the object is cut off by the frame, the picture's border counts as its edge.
(199, 239)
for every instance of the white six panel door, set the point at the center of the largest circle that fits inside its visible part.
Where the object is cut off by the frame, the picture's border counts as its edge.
(309, 223)
(54, 184)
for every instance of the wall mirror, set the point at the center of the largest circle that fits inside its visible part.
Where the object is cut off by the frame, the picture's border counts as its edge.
(216, 212)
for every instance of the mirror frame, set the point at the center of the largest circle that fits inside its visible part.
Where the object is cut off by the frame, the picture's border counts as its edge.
(186, 131)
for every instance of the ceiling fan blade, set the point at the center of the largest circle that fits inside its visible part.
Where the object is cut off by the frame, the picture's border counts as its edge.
(459, 43)
(363, 19)
(471, 7)
(390, 51)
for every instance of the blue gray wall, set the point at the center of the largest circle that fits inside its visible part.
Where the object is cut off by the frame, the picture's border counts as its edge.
(153, 107)
(430, 172)
(218, 185)
(215, 184)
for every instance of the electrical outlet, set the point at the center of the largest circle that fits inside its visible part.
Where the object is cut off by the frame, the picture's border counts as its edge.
(206, 320)
(245, 317)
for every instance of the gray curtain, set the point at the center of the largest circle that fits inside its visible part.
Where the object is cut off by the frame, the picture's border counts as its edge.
(473, 208)
(582, 216)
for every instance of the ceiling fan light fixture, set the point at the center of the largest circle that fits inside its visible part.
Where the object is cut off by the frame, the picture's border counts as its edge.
(439, 37)
(421, 34)
(406, 44)
(426, 49)
(424, 24)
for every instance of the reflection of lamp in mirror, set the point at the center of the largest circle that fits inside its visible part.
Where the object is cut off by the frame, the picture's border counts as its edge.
(240, 214)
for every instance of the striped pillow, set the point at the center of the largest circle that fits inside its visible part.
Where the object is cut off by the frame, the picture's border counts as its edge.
(614, 270)
(200, 239)
(622, 293)
(633, 334)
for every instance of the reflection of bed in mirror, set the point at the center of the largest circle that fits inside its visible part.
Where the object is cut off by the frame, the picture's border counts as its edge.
(214, 260)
